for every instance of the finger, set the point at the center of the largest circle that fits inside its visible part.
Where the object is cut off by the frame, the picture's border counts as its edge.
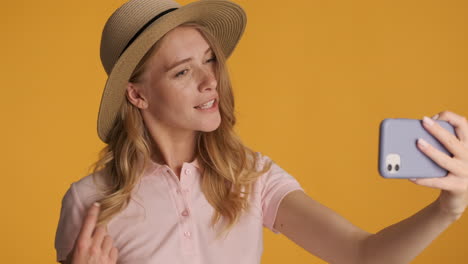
(449, 140)
(440, 158)
(448, 183)
(114, 254)
(459, 122)
(107, 245)
(98, 236)
(89, 222)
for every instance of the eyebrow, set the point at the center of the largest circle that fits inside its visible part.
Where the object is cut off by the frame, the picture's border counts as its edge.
(182, 61)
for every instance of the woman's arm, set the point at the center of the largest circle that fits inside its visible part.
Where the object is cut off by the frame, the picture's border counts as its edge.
(403, 241)
(332, 238)
(319, 230)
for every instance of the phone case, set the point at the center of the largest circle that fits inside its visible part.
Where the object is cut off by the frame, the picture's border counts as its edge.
(399, 155)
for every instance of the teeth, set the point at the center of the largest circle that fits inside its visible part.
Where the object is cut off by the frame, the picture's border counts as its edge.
(207, 105)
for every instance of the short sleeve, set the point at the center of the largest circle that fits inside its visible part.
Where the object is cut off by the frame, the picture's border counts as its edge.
(275, 184)
(69, 225)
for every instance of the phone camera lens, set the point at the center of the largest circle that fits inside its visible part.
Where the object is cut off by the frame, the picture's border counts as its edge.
(389, 167)
(397, 167)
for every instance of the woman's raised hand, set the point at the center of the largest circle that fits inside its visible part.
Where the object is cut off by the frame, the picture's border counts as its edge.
(93, 247)
(453, 198)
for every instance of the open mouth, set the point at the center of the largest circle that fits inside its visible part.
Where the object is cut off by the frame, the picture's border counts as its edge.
(207, 105)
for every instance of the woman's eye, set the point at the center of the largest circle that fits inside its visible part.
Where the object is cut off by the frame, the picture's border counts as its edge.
(180, 73)
(184, 71)
(212, 59)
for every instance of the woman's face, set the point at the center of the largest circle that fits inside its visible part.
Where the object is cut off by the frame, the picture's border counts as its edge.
(179, 77)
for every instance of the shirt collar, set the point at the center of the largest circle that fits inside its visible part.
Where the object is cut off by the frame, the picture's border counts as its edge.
(155, 166)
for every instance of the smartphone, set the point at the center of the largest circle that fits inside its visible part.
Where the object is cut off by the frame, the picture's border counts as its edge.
(399, 155)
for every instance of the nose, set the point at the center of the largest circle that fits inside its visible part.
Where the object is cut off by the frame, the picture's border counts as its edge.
(208, 78)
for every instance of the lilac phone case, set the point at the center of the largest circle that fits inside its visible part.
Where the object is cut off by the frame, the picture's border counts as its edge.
(399, 156)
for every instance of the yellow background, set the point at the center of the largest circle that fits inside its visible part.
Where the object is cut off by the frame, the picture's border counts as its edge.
(312, 80)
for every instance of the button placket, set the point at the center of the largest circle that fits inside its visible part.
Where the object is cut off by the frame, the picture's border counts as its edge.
(182, 208)
(185, 214)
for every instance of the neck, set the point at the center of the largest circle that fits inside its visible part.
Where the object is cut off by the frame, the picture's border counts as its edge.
(173, 149)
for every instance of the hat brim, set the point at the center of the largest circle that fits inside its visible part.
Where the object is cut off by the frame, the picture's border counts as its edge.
(224, 19)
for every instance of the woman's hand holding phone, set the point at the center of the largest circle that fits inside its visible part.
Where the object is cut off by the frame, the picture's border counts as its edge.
(93, 245)
(453, 198)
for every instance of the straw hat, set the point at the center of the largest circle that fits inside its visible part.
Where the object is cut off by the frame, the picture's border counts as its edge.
(135, 26)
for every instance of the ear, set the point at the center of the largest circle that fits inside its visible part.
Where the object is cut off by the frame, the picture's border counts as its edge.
(135, 96)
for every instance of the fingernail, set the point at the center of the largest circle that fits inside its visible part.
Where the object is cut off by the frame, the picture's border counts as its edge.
(97, 204)
(435, 117)
(422, 142)
(428, 121)
(412, 179)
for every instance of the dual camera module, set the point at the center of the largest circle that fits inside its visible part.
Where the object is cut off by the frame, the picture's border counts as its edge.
(393, 163)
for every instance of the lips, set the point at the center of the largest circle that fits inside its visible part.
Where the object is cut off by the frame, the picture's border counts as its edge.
(206, 102)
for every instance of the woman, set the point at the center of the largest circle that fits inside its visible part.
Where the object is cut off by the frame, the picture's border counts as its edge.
(176, 185)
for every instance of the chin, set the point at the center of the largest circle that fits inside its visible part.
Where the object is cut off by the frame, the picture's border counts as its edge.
(210, 126)
(208, 129)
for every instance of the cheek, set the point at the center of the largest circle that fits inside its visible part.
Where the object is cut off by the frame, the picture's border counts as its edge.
(171, 103)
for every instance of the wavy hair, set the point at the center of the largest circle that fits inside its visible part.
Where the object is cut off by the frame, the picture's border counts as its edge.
(229, 167)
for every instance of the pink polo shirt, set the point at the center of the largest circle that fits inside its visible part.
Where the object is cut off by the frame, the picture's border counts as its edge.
(168, 220)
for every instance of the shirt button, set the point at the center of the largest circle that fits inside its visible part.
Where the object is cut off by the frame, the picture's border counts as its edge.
(185, 213)
(187, 171)
(187, 234)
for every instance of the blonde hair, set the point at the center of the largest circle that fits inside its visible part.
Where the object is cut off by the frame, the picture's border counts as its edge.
(229, 167)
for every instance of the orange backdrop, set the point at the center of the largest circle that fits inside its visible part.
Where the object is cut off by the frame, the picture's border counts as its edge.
(312, 80)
